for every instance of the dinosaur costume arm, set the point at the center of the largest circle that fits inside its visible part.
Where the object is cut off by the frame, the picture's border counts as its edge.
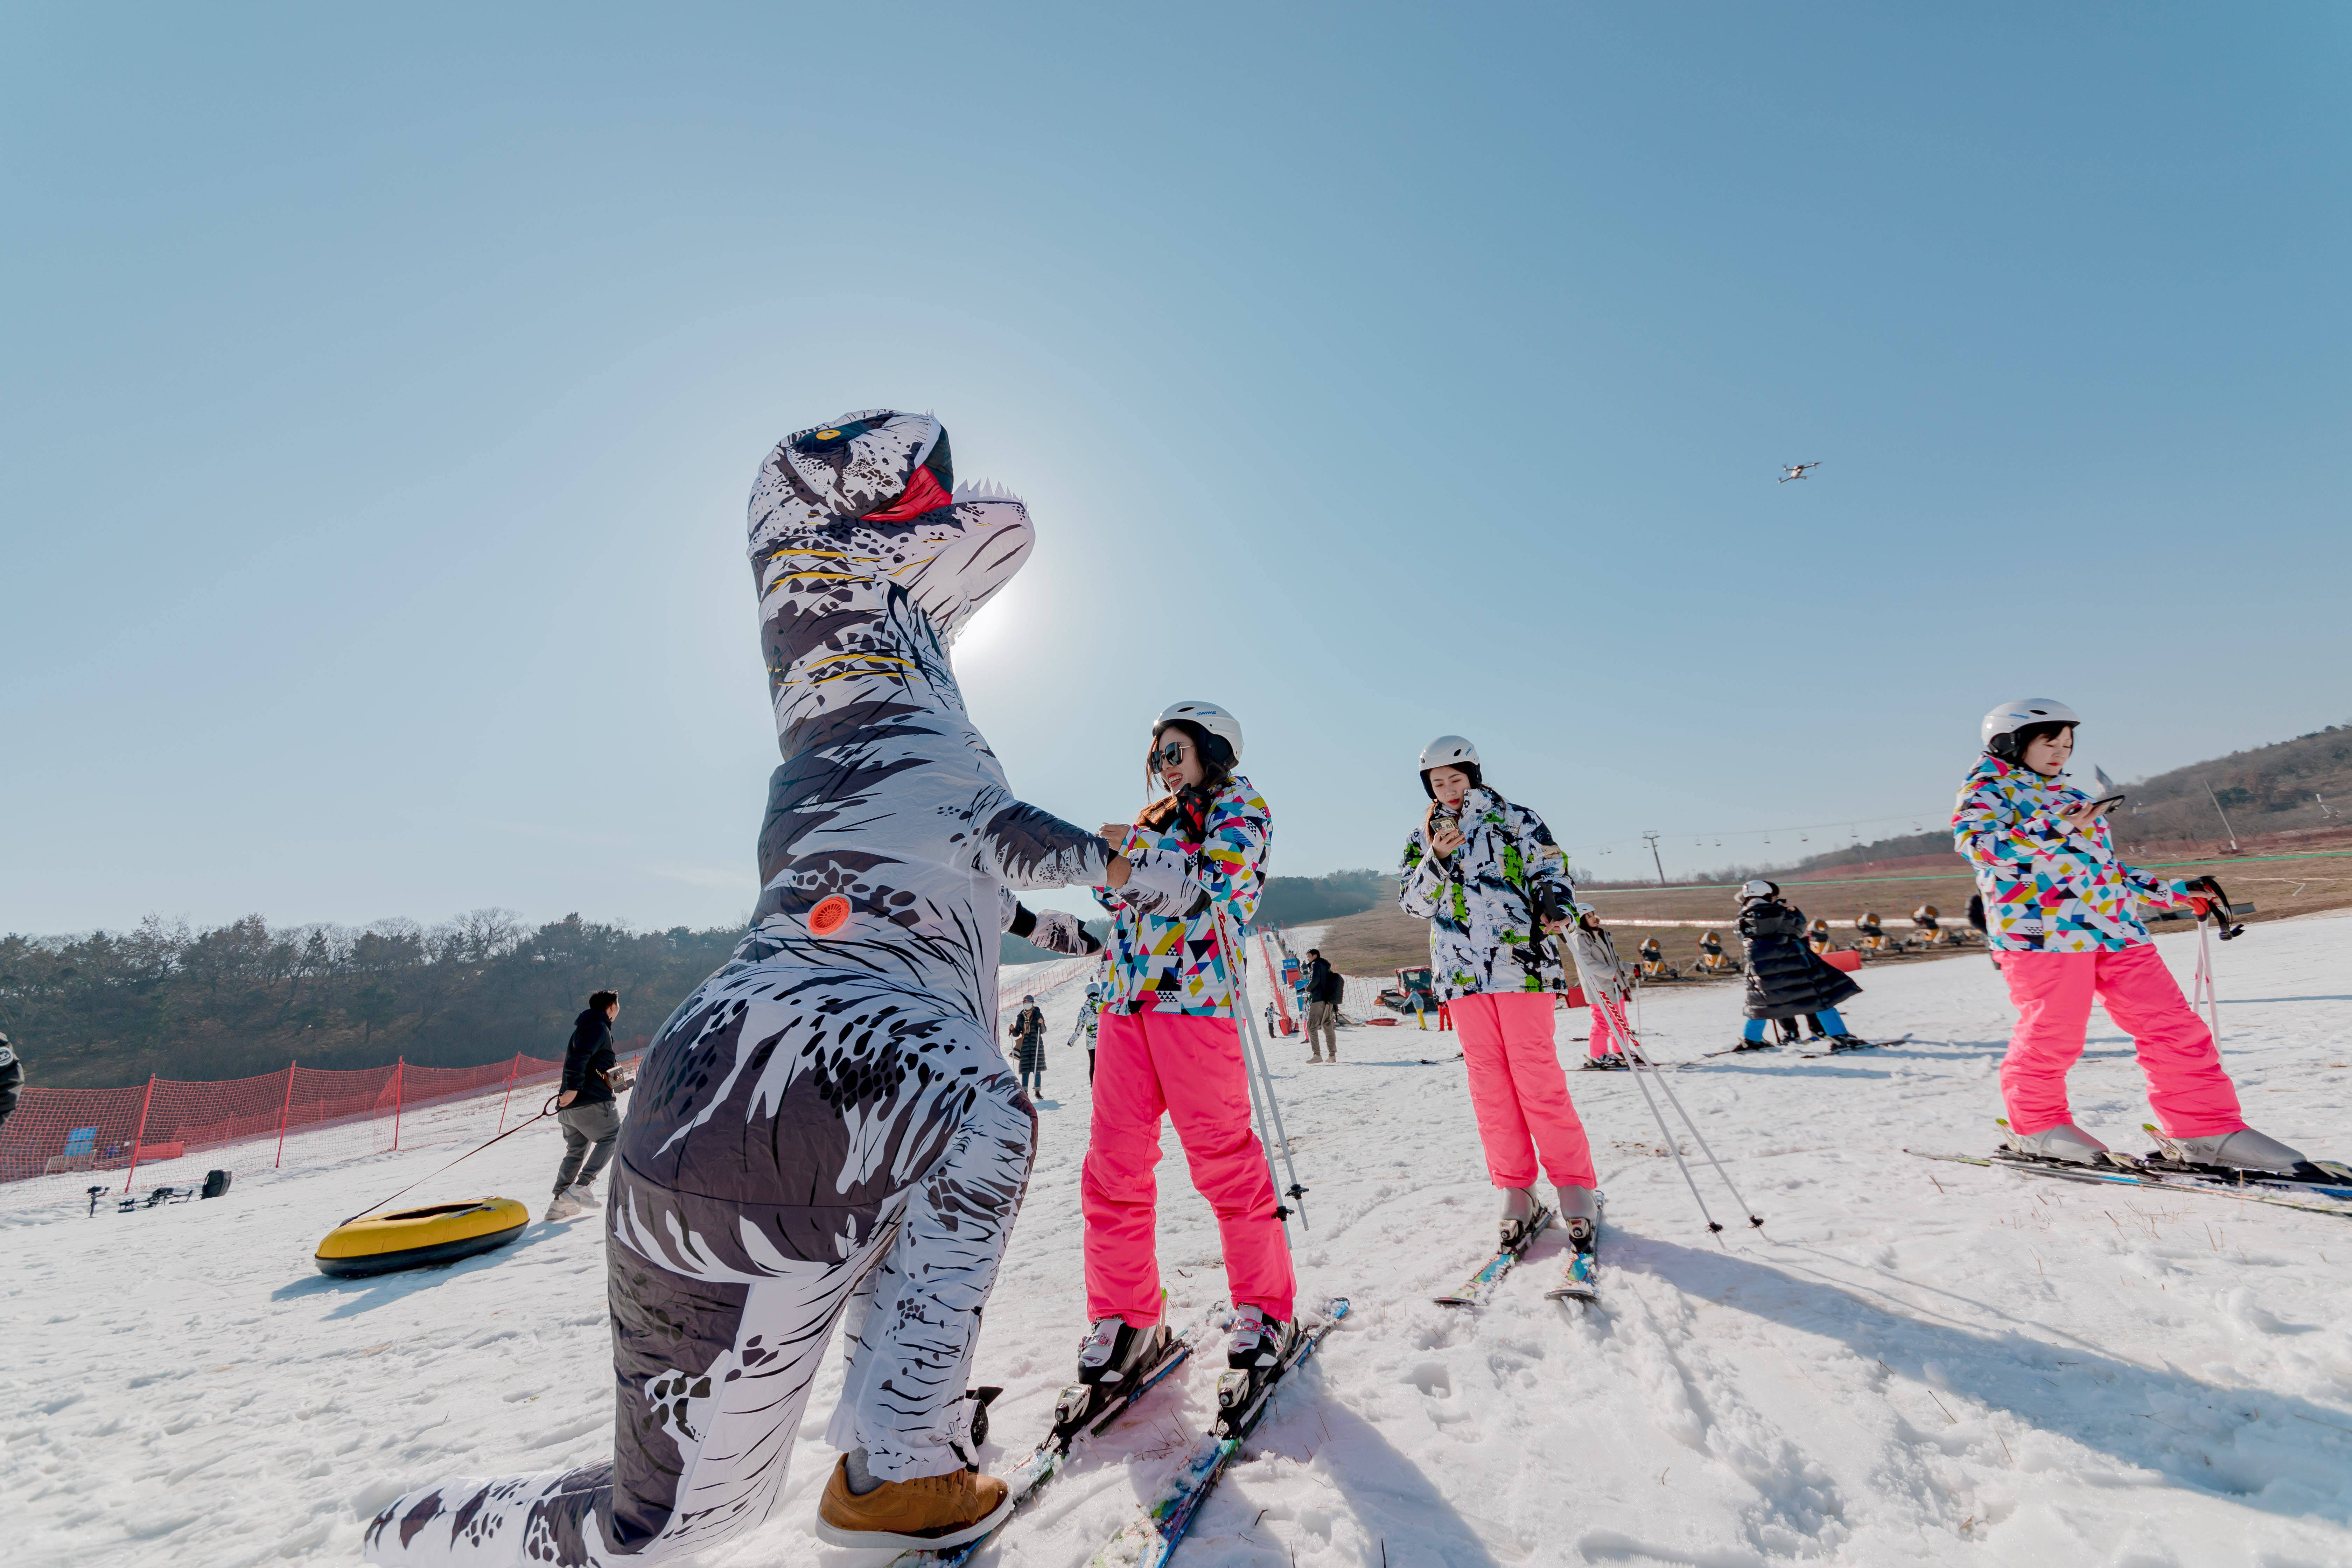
(1022, 846)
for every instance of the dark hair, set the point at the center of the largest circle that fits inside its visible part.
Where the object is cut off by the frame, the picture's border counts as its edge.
(1314, 952)
(600, 1000)
(1216, 756)
(1477, 778)
(1190, 803)
(2011, 748)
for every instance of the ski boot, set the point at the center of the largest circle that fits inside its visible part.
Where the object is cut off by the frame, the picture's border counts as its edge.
(1745, 1044)
(1580, 1213)
(1522, 1217)
(1110, 1362)
(1255, 1358)
(1843, 1042)
(2064, 1145)
(1580, 1210)
(1612, 1062)
(2244, 1149)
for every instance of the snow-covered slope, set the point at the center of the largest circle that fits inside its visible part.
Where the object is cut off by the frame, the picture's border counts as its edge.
(1914, 1363)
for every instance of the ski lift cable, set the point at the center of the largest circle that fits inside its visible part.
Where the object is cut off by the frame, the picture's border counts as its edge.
(1853, 825)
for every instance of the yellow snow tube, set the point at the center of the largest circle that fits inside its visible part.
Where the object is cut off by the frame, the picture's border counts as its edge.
(414, 1238)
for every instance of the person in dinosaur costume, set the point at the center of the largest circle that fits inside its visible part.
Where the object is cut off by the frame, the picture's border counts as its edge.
(825, 1126)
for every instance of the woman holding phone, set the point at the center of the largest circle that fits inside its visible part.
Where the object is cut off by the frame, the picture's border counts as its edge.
(1490, 881)
(1169, 1045)
(2062, 915)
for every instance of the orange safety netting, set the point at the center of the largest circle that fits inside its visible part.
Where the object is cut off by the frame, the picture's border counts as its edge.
(61, 1130)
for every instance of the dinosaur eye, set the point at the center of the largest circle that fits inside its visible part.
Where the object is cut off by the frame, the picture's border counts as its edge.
(830, 439)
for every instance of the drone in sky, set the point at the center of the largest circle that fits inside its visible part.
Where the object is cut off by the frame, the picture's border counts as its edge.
(1796, 471)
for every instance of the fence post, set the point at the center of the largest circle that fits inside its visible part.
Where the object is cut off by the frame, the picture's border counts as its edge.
(141, 1136)
(281, 1114)
(512, 1067)
(399, 1077)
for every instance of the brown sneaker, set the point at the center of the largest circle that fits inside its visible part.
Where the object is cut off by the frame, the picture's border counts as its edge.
(933, 1511)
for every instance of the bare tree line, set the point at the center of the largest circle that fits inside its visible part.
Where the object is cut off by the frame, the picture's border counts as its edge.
(110, 1007)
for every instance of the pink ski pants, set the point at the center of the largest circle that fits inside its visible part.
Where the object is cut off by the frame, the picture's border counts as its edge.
(1518, 1091)
(2192, 1097)
(1148, 1064)
(1601, 1040)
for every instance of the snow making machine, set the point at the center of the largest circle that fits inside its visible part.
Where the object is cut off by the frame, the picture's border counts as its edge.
(1712, 959)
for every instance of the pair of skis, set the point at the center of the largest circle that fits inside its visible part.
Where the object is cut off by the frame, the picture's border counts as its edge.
(1834, 1048)
(1082, 1411)
(2324, 1188)
(1582, 1276)
(1151, 1537)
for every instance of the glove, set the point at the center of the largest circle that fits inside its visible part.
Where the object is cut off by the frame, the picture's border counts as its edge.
(1058, 930)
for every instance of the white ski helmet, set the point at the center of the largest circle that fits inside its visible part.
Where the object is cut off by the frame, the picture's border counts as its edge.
(1758, 889)
(1209, 717)
(2000, 726)
(1448, 752)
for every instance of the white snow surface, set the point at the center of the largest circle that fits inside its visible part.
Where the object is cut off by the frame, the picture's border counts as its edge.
(1914, 1362)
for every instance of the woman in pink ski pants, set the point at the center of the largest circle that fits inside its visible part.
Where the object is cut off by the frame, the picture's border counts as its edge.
(1485, 874)
(2063, 916)
(1169, 1046)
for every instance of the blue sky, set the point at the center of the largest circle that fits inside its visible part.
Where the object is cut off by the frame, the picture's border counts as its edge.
(383, 389)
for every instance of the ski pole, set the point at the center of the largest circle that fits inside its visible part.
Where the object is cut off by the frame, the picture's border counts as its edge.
(2204, 984)
(1261, 1082)
(1617, 1017)
(1600, 997)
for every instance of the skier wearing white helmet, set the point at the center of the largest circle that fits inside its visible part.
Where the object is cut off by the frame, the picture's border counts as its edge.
(2061, 915)
(1489, 880)
(1169, 1045)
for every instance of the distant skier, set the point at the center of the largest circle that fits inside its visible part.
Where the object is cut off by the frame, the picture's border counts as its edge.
(1484, 874)
(2060, 913)
(1089, 1024)
(1599, 968)
(1171, 1049)
(1786, 978)
(1028, 1032)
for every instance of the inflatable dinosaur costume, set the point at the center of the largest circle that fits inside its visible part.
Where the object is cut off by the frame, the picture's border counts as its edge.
(826, 1124)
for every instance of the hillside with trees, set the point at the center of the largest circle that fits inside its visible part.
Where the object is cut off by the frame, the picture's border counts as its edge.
(109, 1008)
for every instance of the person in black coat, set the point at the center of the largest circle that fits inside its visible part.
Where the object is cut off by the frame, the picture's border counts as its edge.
(1029, 1030)
(12, 1077)
(586, 1110)
(1325, 987)
(1785, 976)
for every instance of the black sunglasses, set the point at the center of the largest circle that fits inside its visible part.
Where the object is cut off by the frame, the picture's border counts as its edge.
(1169, 755)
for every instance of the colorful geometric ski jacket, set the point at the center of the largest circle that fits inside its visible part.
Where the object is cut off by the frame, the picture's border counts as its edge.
(1479, 901)
(1163, 936)
(2048, 888)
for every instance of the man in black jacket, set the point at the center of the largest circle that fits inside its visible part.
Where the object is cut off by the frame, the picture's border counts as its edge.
(12, 1077)
(1325, 987)
(586, 1110)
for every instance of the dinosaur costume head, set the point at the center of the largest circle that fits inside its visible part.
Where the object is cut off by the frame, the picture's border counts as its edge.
(843, 512)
